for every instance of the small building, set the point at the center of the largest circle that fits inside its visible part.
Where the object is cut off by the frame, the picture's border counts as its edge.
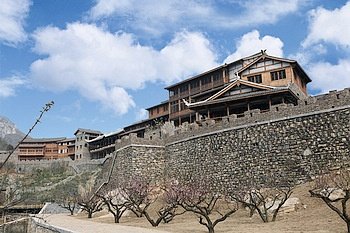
(82, 136)
(103, 145)
(66, 148)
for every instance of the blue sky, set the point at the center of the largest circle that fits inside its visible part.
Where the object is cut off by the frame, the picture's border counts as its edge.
(104, 61)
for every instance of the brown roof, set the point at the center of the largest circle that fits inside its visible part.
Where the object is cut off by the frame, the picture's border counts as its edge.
(160, 104)
(91, 131)
(43, 140)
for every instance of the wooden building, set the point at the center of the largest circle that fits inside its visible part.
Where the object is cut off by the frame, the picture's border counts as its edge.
(66, 148)
(255, 82)
(103, 145)
(41, 149)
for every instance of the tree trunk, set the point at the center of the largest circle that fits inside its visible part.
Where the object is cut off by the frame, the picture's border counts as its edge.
(348, 225)
(89, 214)
(210, 229)
(116, 219)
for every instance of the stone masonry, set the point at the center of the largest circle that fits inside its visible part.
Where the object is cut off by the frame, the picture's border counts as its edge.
(288, 143)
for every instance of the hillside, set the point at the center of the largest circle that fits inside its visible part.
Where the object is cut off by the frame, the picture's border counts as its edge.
(9, 134)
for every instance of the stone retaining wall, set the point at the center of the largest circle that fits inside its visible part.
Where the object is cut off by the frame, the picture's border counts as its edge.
(290, 149)
(144, 160)
(30, 225)
(288, 143)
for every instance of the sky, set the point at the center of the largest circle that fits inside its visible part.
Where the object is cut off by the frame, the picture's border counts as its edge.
(103, 62)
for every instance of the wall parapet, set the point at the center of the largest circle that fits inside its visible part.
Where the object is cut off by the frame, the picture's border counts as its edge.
(332, 101)
(132, 139)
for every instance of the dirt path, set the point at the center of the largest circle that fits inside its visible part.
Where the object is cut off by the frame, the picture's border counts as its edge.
(312, 217)
(85, 226)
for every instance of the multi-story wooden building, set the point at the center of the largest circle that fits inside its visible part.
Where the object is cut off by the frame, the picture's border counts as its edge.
(257, 81)
(41, 148)
(254, 82)
(103, 145)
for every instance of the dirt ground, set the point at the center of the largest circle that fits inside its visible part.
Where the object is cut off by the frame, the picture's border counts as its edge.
(313, 217)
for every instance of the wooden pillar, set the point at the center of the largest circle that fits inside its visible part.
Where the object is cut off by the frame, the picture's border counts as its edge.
(283, 100)
(208, 113)
(227, 110)
(197, 116)
(248, 106)
(270, 104)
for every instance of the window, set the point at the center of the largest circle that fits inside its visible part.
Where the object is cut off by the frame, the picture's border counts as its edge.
(174, 107)
(184, 88)
(206, 80)
(276, 75)
(194, 84)
(255, 78)
(165, 108)
(174, 92)
(217, 77)
(182, 106)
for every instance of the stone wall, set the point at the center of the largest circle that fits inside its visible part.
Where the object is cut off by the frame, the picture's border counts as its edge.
(17, 226)
(140, 160)
(288, 143)
(292, 149)
(31, 225)
(39, 226)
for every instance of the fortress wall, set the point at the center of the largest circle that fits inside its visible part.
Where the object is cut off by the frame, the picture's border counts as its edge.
(139, 158)
(289, 142)
(292, 148)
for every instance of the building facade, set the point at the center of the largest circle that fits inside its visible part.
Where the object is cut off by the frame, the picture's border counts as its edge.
(41, 149)
(82, 136)
(103, 145)
(254, 82)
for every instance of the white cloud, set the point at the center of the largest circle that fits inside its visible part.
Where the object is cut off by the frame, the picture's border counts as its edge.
(141, 114)
(251, 43)
(267, 12)
(330, 26)
(101, 66)
(326, 76)
(305, 56)
(157, 17)
(12, 16)
(8, 85)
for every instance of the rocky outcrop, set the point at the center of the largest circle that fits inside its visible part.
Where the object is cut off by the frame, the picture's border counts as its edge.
(8, 131)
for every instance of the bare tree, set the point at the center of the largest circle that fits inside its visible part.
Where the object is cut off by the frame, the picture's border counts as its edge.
(113, 198)
(12, 192)
(210, 207)
(67, 196)
(334, 190)
(89, 202)
(140, 194)
(266, 201)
